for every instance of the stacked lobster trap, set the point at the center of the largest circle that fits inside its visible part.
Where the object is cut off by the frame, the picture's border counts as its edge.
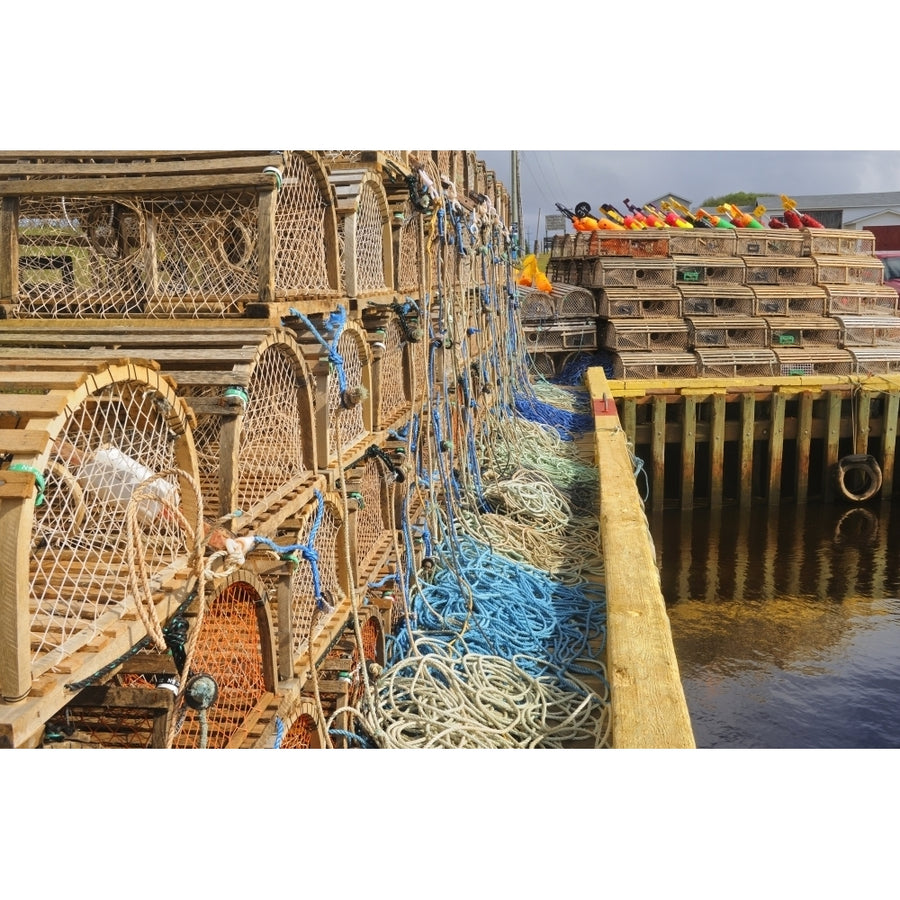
(101, 517)
(757, 301)
(205, 363)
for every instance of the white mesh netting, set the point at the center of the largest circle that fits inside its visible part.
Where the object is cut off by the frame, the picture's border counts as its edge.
(115, 440)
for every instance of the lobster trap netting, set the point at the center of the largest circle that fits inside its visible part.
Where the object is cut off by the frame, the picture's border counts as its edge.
(301, 735)
(346, 423)
(371, 527)
(315, 584)
(228, 648)
(369, 241)
(207, 443)
(408, 250)
(82, 256)
(114, 727)
(206, 252)
(370, 634)
(118, 440)
(271, 444)
(300, 246)
(393, 371)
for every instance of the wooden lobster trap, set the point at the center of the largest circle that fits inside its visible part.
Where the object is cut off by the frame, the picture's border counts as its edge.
(337, 350)
(813, 361)
(701, 242)
(806, 332)
(646, 334)
(391, 336)
(732, 363)
(99, 512)
(715, 300)
(726, 331)
(578, 272)
(313, 591)
(562, 246)
(249, 389)
(860, 300)
(537, 306)
(168, 235)
(573, 302)
(869, 331)
(623, 272)
(712, 270)
(875, 360)
(867, 270)
(778, 242)
(653, 364)
(633, 244)
(788, 300)
(623, 303)
(779, 270)
(374, 483)
(562, 336)
(229, 687)
(365, 238)
(838, 242)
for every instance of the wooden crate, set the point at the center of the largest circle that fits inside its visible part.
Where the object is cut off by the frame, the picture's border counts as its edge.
(727, 331)
(623, 272)
(796, 331)
(813, 361)
(770, 242)
(568, 336)
(839, 241)
(788, 300)
(730, 363)
(633, 244)
(647, 364)
(701, 242)
(849, 270)
(561, 246)
(779, 270)
(646, 334)
(535, 305)
(716, 300)
(709, 270)
(875, 360)
(622, 303)
(860, 300)
(869, 331)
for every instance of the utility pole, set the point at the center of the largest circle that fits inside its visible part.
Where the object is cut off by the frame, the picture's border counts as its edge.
(514, 194)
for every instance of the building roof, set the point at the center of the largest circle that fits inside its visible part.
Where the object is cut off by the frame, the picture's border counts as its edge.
(835, 201)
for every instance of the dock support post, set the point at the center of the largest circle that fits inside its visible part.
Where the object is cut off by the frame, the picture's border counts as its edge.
(804, 435)
(658, 452)
(776, 448)
(717, 451)
(688, 449)
(833, 435)
(748, 426)
(889, 443)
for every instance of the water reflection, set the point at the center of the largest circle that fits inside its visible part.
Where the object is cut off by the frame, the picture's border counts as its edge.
(786, 623)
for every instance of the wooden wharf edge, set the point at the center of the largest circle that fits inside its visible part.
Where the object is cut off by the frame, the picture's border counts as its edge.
(648, 705)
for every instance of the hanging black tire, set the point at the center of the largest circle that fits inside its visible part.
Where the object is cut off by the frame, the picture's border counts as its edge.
(858, 477)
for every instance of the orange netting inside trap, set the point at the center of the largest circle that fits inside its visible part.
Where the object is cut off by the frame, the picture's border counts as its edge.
(228, 648)
(301, 735)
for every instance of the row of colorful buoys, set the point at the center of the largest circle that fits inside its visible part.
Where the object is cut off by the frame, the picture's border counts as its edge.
(676, 215)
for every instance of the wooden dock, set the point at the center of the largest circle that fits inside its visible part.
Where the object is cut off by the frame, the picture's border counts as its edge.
(649, 709)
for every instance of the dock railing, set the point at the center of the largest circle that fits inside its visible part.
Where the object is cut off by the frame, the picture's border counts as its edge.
(649, 709)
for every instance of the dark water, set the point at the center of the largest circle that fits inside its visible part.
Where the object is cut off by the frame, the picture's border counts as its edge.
(786, 623)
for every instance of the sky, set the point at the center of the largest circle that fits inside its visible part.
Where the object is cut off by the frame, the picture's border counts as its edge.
(601, 176)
